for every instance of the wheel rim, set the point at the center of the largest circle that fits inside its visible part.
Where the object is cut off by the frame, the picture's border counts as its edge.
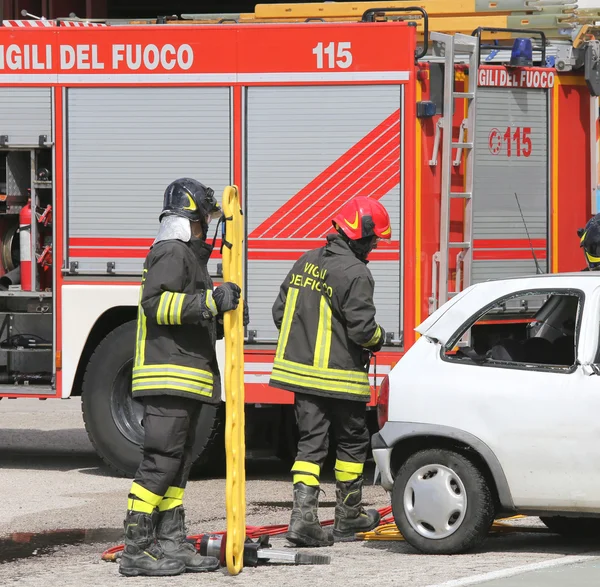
(435, 501)
(127, 414)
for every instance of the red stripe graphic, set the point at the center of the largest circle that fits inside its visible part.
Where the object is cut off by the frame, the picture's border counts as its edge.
(276, 250)
(516, 243)
(353, 170)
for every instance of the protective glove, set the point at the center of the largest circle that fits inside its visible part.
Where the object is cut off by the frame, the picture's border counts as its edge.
(246, 314)
(227, 297)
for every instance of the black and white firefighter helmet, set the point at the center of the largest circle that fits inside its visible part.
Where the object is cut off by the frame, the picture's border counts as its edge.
(590, 242)
(188, 198)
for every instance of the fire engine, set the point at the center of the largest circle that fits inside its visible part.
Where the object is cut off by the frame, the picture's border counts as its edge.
(475, 125)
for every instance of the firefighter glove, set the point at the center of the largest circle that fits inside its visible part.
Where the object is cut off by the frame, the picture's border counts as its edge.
(227, 296)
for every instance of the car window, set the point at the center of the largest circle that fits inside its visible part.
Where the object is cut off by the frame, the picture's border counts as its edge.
(536, 329)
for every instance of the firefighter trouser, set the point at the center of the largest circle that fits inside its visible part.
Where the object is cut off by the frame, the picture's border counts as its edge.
(169, 434)
(315, 415)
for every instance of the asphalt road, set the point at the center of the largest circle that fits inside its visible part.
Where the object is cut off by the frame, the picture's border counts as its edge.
(52, 480)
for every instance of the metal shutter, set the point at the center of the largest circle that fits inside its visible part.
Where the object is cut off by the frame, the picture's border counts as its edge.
(125, 145)
(499, 232)
(25, 114)
(295, 136)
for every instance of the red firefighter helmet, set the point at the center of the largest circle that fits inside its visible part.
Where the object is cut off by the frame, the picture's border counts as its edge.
(363, 217)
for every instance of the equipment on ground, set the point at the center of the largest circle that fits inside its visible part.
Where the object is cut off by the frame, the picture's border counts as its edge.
(258, 552)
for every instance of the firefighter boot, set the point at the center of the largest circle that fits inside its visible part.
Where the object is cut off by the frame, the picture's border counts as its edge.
(141, 555)
(171, 535)
(305, 529)
(350, 516)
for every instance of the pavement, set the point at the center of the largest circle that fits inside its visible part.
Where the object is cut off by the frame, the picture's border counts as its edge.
(52, 480)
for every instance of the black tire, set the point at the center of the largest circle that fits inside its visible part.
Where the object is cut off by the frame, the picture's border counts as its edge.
(479, 514)
(113, 420)
(582, 528)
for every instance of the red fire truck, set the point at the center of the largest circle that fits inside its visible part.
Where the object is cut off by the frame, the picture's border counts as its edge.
(487, 168)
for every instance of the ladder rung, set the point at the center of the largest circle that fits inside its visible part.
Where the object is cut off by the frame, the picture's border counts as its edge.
(462, 145)
(465, 195)
(466, 95)
(455, 245)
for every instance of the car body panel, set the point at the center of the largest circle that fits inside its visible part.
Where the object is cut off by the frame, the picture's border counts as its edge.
(541, 425)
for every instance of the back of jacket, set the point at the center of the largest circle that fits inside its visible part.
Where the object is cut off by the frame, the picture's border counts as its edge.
(175, 346)
(326, 317)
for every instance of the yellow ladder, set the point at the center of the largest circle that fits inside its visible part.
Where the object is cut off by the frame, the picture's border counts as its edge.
(235, 443)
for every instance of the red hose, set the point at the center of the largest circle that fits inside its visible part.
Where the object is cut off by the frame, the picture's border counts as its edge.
(252, 532)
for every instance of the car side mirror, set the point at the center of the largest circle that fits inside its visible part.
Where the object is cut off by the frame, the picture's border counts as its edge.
(595, 368)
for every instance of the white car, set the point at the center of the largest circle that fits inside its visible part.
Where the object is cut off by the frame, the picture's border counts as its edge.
(495, 411)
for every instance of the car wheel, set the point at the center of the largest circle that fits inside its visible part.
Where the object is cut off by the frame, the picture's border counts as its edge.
(441, 502)
(573, 527)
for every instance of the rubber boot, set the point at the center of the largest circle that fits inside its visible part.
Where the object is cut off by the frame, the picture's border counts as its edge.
(305, 528)
(350, 516)
(141, 555)
(171, 535)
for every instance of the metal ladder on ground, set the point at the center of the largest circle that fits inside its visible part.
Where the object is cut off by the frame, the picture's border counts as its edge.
(452, 46)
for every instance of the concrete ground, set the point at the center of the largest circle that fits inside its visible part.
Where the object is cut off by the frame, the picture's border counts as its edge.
(52, 480)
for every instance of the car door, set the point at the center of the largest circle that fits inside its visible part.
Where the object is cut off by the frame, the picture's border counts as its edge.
(541, 421)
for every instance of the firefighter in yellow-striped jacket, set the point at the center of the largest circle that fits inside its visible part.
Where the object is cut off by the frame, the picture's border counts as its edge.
(327, 331)
(175, 371)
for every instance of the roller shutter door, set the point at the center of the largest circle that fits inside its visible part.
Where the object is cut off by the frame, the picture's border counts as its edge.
(125, 145)
(511, 157)
(309, 150)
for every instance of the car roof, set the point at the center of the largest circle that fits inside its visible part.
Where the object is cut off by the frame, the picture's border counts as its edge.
(445, 320)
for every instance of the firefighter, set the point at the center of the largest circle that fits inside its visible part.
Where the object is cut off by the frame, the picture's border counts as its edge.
(175, 372)
(327, 332)
(589, 241)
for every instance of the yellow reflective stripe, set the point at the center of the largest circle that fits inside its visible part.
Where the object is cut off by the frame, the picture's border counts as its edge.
(345, 477)
(286, 324)
(323, 342)
(210, 302)
(175, 312)
(175, 492)
(169, 503)
(174, 371)
(306, 479)
(137, 505)
(306, 467)
(149, 383)
(349, 467)
(140, 346)
(162, 316)
(145, 494)
(316, 383)
(311, 371)
(375, 338)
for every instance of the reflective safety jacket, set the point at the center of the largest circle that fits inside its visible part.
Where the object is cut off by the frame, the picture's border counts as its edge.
(176, 331)
(326, 320)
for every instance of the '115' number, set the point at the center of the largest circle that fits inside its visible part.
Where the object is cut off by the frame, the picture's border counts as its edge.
(340, 56)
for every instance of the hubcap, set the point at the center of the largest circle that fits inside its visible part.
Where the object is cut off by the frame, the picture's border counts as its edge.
(435, 501)
(126, 413)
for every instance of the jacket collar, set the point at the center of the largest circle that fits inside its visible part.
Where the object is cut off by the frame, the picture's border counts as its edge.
(336, 245)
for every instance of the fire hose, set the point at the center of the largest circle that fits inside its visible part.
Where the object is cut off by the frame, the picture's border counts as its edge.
(256, 552)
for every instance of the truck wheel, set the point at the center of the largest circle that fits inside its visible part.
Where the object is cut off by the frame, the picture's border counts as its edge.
(113, 420)
(441, 502)
(583, 528)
